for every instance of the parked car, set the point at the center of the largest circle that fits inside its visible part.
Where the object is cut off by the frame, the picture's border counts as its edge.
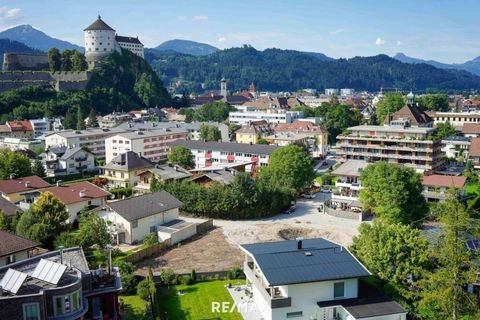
(326, 190)
(289, 210)
(308, 196)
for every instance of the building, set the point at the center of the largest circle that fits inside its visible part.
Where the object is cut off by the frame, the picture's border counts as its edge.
(14, 248)
(41, 126)
(252, 132)
(347, 92)
(211, 153)
(456, 119)
(286, 138)
(471, 130)
(91, 138)
(113, 119)
(271, 116)
(123, 171)
(18, 189)
(312, 279)
(456, 146)
(331, 92)
(223, 175)
(406, 139)
(76, 197)
(101, 40)
(8, 208)
(316, 137)
(58, 285)
(17, 129)
(473, 152)
(62, 160)
(134, 218)
(21, 144)
(163, 173)
(435, 187)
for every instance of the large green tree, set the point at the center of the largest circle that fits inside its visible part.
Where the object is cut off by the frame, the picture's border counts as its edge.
(14, 163)
(80, 125)
(433, 102)
(391, 103)
(50, 210)
(54, 59)
(213, 111)
(70, 121)
(79, 62)
(66, 60)
(338, 118)
(38, 169)
(393, 193)
(93, 230)
(444, 130)
(210, 133)
(291, 167)
(181, 156)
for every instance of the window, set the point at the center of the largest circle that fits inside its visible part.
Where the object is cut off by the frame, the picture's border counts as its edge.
(11, 259)
(68, 303)
(31, 311)
(339, 290)
(153, 229)
(297, 314)
(134, 223)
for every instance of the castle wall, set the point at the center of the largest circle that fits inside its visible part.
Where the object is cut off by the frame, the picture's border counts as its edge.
(25, 61)
(61, 81)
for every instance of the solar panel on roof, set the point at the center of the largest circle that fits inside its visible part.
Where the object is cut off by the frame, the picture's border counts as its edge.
(49, 271)
(473, 245)
(13, 280)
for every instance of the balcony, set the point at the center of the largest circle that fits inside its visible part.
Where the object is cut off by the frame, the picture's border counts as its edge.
(81, 159)
(82, 167)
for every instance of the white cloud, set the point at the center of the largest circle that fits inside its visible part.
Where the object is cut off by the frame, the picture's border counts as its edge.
(335, 32)
(200, 18)
(380, 41)
(222, 39)
(399, 43)
(9, 16)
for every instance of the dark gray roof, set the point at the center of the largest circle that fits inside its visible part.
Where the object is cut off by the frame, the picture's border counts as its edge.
(11, 243)
(70, 152)
(128, 161)
(145, 205)
(127, 39)
(223, 176)
(282, 263)
(57, 150)
(168, 172)
(226, 146)
(370, 303)
(99, 24)
(9, 208)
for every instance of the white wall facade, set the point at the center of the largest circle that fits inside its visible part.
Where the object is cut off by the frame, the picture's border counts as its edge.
(98, 44)
(207, 158)
(136, 48)
(271, 117)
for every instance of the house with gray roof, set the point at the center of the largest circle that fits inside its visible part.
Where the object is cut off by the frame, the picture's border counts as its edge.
(131, 219)
(163, 173)
(124, 169)
(312, 279)
(62, 160)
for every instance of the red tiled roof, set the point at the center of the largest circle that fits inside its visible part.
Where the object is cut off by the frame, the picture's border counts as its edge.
(23, 125)
(22, 184)
(169, 110)
(437, 180)
(71, 193)
(10, 243)
(414, 114)
(297, 126)
(471, 128)
(474, 150)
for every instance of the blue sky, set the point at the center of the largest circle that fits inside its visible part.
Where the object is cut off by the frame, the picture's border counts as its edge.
(443, 30)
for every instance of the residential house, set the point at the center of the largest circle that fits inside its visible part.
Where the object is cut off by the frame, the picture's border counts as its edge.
(62, 160)
(163, 173)
(456, 119)
(436, 187)
(225, 176)
(253, 131)
(474, 152)
(316, 137)
(455, 147)
(287, 138)
(312, 279)
(270, 115)
(471, 130)
(211, 153)
(123, 171)
(133, 218)
(59, 285)
(18, 189)
(21, 144)
(152, 144)
(41, 126)
(193, 129)
(20, 128)
(9, 208)
(14, 248)
(406, 139)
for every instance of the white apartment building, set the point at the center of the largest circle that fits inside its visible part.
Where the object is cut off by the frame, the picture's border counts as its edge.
(271, 116)
(331, 92)
(211, 153)
(92, 138)
(152, 144)
(456, 119)
(311, 279)
(41, 126)
(132, 44)
(347, 92)
(21, 144)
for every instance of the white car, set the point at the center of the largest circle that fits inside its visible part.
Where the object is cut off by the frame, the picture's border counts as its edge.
(308, 196)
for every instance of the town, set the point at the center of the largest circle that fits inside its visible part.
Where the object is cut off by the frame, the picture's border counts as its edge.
(129, 193)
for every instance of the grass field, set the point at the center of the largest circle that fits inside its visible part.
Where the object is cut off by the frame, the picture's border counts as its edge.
(134, 307)
(196, 301)
(472, 188)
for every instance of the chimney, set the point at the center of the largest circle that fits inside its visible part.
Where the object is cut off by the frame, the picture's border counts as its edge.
(27, 184)
(299, 243)
(81, 193)
(59, 183)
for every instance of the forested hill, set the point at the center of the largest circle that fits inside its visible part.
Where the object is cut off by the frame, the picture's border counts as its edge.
(7, 45)
(287, 70)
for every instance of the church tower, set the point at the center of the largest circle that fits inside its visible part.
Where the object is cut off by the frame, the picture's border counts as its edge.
(223, 88)
(410, 98)
(99, 41)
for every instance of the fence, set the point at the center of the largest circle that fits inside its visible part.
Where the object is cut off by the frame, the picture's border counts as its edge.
(148, 252)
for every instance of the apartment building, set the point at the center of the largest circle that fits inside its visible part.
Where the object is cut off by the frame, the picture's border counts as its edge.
(211, 153)
(62, 160)
(152, 144)
(311, 279)
(123, 171)
(91, 138)
(457, 119)
(316, 137)
(270, 115)
(251, 132)
(406, 139)
(436, 187)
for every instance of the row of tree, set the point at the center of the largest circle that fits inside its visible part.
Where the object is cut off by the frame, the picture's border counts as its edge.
(212, 111)
(68, 60)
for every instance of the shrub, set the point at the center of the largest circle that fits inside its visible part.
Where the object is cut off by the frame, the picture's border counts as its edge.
(193, 275)
(150, 239)
(186, 280)
(119, 193)
(235, 273)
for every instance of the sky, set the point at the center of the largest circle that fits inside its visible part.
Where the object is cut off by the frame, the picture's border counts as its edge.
(443, 30)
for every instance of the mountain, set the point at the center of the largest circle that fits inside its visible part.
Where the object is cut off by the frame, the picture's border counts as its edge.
(37, 39)
(472, 66)
(7, 45)
(319, 56)
(288, 70)
(187, 47)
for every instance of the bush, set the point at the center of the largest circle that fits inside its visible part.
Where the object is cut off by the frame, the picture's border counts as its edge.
(235, 273)
(150, 239)
(119, 193)
(193, 275)
(186, 280)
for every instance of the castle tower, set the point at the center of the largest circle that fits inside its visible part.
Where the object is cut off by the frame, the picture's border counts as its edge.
(99, 41)
(223, 88)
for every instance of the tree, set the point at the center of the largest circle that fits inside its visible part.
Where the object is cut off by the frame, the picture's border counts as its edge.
(262, 141)
(93, 230)
(14, 163)
(394, 252)
(38, 169)
(213, 111)
(50, 210)
(145, 90)
(181, 156)
(393, 193)
(290, 166)
(80, 121)
(146, 290)
(66, 60)
(391, 103)
(70, 121)
(433, 102)
(92, 118)
(154, 183)
(443, 296)
(210, 133)
(79, 62)
(150, 239)
(338, 118)
(54, 60)
(167, 275)
(127, 273)
(4, 225)
(444, 130)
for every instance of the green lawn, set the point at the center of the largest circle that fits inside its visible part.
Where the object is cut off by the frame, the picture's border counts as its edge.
(196, 301)
(472, 188)
(135, 308)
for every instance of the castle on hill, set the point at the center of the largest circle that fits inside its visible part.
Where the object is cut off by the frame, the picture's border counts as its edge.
(101, 40)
